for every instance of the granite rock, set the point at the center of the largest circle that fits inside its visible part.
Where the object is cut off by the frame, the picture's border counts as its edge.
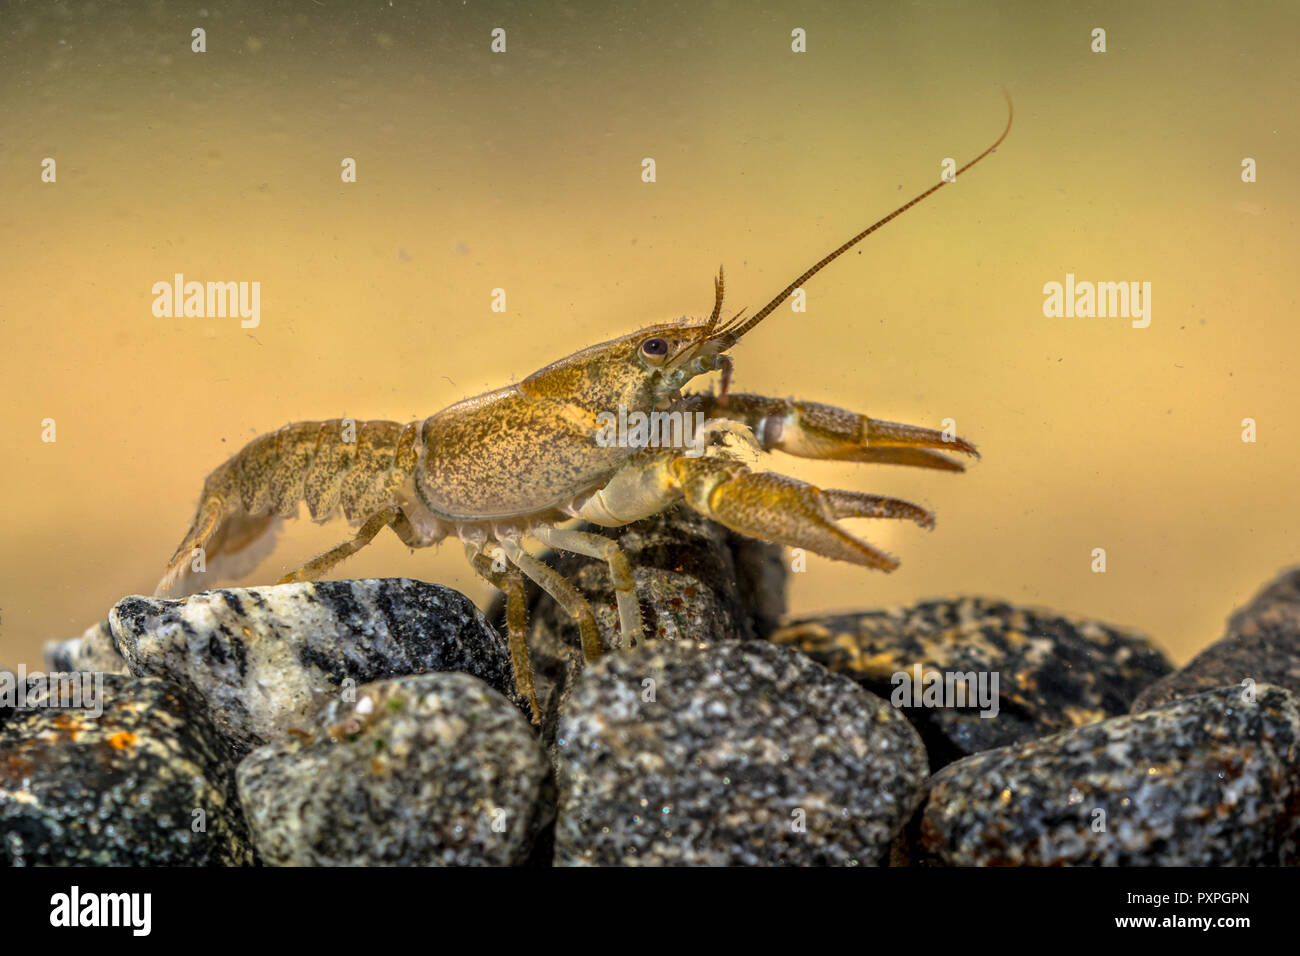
(1208, 780)
(146, 781)
(739, 753)
(427, 770)
(1052, 672)
(93, 651)
(263, 660)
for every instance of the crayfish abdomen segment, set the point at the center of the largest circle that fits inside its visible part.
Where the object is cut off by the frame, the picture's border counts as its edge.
(356, 466)
(359, 471)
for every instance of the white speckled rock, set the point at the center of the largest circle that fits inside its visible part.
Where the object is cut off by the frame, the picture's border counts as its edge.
(93, 651)
(1207, 780)
(428, 770)
(263, 660)
(741, 753)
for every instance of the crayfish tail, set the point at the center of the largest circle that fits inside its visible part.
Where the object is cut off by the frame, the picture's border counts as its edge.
(219, 545)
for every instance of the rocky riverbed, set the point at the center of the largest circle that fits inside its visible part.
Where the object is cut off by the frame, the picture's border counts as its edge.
(374, 722)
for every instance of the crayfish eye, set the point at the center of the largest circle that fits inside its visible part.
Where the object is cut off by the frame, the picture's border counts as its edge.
(655, 348)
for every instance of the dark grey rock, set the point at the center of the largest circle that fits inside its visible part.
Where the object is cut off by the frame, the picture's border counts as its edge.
(748, 754)
(1052, 672)
(428, 770)
(263, 660)
(761, 573)
(147, 782)
(1209, 780)
(695, 579)
(1262, 644)
(93, 651)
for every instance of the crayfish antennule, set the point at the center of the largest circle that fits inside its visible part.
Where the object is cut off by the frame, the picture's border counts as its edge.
(719, 285)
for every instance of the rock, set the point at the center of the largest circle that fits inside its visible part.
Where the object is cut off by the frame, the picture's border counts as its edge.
(1262, 644)
(1052, 672)
(93, 651)
(263, 660)
(428, 770)
(761, 572)
(1209, 780)
(125, 787)
(695, 580)
(737, 753)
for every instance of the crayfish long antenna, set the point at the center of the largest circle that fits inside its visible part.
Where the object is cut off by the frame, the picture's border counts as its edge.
(827, 260)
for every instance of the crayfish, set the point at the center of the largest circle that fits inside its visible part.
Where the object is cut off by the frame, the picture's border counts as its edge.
(522, 461)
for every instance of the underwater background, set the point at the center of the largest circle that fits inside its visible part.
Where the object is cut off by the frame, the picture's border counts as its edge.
(522, 171)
